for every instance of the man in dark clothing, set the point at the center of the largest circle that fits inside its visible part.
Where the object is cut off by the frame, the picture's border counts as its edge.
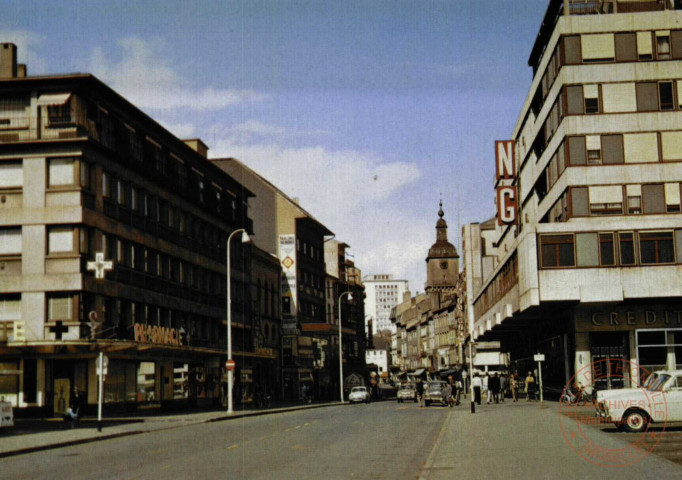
(75, 402)
(457, 384)
(494, 387)
(420, 391)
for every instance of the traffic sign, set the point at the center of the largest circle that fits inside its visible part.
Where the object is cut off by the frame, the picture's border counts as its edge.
(105, 366)
(539, 357)
(230, 365)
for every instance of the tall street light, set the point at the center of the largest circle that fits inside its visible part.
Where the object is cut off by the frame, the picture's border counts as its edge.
(350, 297)
(230, 364)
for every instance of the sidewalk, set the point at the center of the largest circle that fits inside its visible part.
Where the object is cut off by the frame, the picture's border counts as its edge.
(520, 440)
(31, 435)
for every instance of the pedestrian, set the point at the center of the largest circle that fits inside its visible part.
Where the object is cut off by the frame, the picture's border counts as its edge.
(457, 383)
(75, 403)
(494, 388)
(420, 391)
(465, 383)
(530, 386)
(477, 384)
(486, 387)
(503, 386)
(514, 387)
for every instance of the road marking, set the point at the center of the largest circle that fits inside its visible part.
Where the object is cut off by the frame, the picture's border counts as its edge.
(288, 429)
(297, 427)
(232, 447)
(300, 447)
(306, 424)
(424, 475)
(402, 408)
(156, 452)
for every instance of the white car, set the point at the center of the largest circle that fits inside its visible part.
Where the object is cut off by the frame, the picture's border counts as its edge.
(659, 400)
(358, 394)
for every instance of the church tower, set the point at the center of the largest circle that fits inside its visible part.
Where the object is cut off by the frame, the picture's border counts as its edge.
(442, 264)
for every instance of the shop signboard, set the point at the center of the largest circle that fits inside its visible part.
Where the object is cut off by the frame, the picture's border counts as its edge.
(287, 258)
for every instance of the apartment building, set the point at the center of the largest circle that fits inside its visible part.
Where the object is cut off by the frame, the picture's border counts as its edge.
(112, 239)
(383, 293)
(588, 244)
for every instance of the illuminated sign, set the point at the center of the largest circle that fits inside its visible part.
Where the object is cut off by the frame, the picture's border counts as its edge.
(505, 160)
(157, 335)
(506, 205)
(506, 195)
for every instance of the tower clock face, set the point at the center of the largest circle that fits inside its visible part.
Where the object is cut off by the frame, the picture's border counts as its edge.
(444, 265)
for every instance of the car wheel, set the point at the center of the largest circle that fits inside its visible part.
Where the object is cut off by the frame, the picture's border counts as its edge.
(635, 421)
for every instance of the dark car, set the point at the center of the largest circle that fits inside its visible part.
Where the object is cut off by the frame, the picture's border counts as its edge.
(436, 391)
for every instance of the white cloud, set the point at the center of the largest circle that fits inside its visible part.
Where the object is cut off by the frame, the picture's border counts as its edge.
(145, 77)
(355, 194)
(28, 43)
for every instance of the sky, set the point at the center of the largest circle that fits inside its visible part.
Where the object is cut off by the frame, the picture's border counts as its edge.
(369, 112)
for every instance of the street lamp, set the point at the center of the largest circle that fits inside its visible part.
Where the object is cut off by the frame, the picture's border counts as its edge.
(350, 297)
(230, 367)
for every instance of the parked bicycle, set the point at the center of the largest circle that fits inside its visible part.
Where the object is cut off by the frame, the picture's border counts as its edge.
(576, 395)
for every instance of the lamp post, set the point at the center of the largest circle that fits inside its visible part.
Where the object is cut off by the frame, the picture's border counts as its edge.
(350, 297)
(230, 368)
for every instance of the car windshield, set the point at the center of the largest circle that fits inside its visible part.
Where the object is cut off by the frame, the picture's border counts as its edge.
(407, 387)
(657, 384)
(358, 389)
(436, 385)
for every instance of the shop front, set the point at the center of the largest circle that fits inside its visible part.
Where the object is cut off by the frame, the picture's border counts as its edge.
(618, 346)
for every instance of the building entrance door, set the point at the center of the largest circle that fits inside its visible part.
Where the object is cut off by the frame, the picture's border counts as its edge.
(610, 360)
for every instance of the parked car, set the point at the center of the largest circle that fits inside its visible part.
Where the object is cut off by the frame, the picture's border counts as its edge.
(435, 392)
(407, 392)
(358, 394)
(659, 400)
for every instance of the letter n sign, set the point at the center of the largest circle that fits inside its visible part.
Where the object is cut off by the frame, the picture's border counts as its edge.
(505, 159)
(507, 205)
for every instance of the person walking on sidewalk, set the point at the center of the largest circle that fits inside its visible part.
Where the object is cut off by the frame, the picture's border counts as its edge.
(476, 383)
(75, 402)
(420, 391)
(504, 383)
(514, 387)
(530, 386)
(486, 388)
(494, 388)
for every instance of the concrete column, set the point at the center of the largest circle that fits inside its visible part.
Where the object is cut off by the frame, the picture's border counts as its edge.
(583, 359)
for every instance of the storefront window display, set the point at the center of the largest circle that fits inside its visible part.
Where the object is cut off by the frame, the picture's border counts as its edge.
(659, 349)
(9, 381)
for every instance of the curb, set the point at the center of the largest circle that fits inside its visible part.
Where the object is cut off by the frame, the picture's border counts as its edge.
(69, 443)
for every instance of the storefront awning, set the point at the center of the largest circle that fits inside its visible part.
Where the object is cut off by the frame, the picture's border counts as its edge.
(417, 373)
(53, 99)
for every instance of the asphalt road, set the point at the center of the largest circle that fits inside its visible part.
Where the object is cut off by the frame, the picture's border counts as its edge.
(377, 441)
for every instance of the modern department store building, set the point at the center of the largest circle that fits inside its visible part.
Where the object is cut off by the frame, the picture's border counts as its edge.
(587, 264)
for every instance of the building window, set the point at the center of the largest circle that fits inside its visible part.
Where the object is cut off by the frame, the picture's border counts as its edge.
(606, 249)
(587, 249)
(557, 251)
(663, 45)
(656, 247)
(106, 185)
(626, 47)
(653, 199)
(644, 46)
(10, 241)
(61, 307)
(61, 172)
(665, 90)
(61, 240)
(591, 93)
(59, 115)
(11, 174)
(647, 97)
(626, 246)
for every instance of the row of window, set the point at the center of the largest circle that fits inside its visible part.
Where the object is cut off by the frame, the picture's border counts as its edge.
(610, 249)
(606, 48)
(632, 199)
(504, 281)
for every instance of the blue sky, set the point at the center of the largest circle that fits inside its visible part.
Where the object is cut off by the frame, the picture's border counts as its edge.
(367, 111)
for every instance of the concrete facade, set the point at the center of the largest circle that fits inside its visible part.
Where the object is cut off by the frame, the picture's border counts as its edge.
(589, 270)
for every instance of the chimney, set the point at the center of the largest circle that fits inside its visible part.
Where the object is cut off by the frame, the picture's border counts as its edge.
(8, 60)
(198, 146)
(22, 72)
